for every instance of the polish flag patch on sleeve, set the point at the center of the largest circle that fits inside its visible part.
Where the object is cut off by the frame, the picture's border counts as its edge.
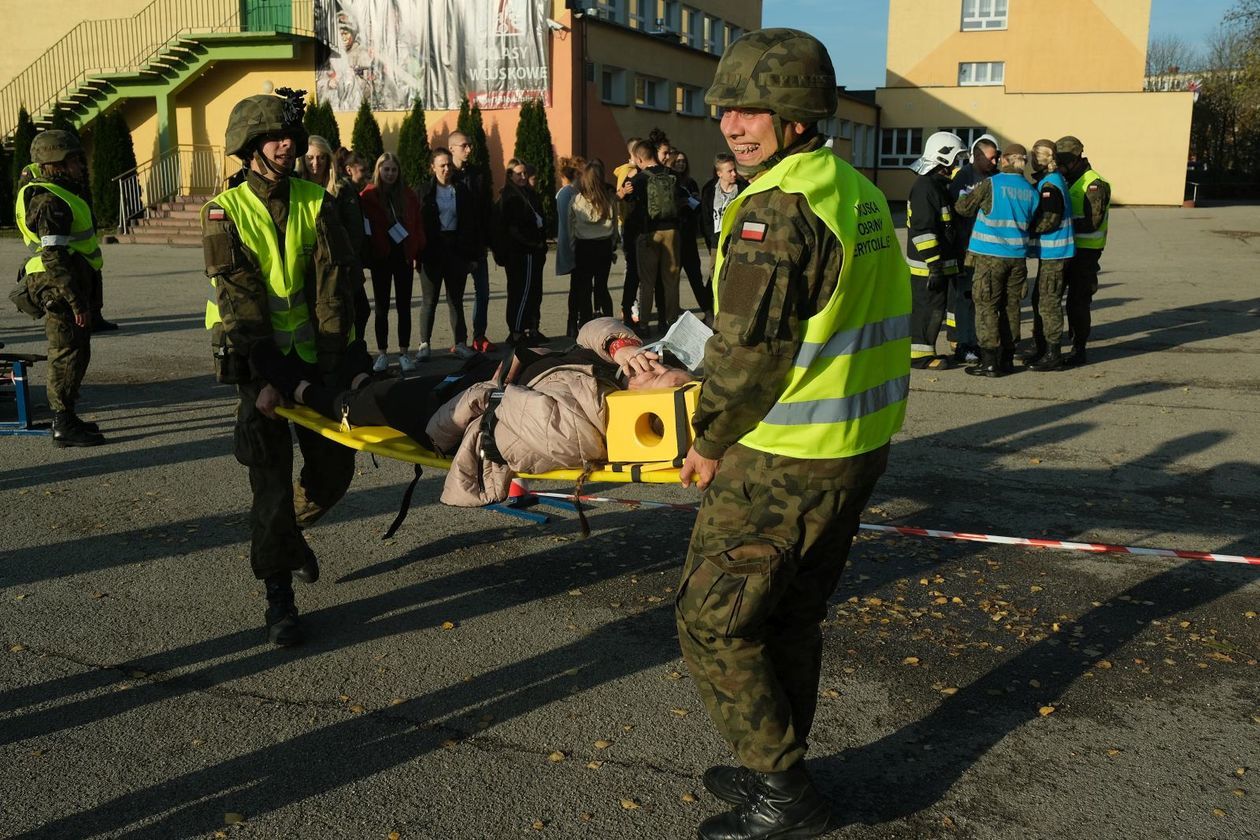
(216, 214)
(753, 231)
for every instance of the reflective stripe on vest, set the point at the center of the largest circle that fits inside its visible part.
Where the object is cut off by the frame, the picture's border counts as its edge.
(1096, 239)
(1003, 232)
(81, 239)
(1058, 244)
(846, 392)
(286, 274)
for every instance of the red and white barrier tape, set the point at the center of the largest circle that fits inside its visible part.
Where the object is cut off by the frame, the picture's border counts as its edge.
(1064, 545)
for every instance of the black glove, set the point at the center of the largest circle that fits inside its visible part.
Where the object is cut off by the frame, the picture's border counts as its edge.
(937, 282)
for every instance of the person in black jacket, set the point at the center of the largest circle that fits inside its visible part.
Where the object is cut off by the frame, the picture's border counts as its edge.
(478, 183)
(688, 230)
(715, 195)
(451, 231)
(524, 254)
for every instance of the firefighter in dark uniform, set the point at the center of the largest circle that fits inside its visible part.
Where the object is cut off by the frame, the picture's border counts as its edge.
(282, 275)
(807, 375)
(56, 223)
(931, 247)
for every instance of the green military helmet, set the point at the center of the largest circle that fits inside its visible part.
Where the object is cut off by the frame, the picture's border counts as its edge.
(264, 114)
(782, 70)
(54, 146)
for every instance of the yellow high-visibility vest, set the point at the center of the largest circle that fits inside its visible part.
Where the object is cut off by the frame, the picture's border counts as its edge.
(82, 236)
(846, 393)
(1096, 239)
(286, 273)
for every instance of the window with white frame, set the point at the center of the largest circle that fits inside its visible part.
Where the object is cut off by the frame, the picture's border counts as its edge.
(613, 10)
(692, 26)
(983, 14)
(900, 146)
(650, 92)
(864, 146)
(712, 35)
(689, 100)
(638, 13)
(732, 33)
(982, 73)
(669, 15)
(969, 134)
(612, 85)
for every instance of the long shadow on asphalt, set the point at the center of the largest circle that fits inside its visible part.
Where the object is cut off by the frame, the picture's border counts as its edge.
(1177, 327)
(912, 768)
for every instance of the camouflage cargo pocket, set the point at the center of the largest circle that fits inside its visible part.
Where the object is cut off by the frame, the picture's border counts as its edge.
(730, 595)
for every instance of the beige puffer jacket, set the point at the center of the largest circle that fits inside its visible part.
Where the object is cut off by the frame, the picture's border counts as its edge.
(556, 421)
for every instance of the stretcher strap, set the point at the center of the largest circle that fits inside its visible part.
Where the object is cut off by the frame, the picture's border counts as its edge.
(405, 507)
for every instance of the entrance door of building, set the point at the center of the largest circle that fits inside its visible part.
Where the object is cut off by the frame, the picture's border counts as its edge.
(267, 15)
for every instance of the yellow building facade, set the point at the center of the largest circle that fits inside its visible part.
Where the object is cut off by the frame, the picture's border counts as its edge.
(1023, 70)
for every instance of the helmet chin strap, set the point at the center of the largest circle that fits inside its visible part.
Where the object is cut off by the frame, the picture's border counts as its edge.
(787, 145)
(271, 167)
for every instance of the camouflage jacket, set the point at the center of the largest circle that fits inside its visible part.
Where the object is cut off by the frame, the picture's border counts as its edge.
(1046, 218)
(67, 276)
(766, 291)
(242, 289)
(1097, 199)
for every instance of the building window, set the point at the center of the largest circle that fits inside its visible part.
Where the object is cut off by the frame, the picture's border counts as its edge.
(982, 73)
(649, 92)
(689, 100)
(732, 33)
(983, 14)
(669, 15)
(715, 111)
(900, 146)
(969, 134)
(638, 14)
(692, 26)
(612, 86)
(864, 146)
(613, 10)
(712, 35)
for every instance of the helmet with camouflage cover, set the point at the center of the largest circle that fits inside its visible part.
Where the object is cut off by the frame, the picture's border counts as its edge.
(264, 114)
(54, 146)
(782, 70)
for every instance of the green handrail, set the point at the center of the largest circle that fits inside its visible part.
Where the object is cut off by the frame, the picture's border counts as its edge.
(128, 45)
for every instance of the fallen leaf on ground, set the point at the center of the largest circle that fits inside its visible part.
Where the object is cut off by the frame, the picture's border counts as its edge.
(949, 691)
(16, 648)
(557, 757)
(1045, 710)
(575, 591)
(594, 765)
(830, 693)
(1102, 663)
(448, 625)
(396, 701)
(679, 712)
(356, 709)
(538, 825)
(1218, 812)
(603, 744)
(910, 660)
(393, 835)
(1113, 752)
(688, 798)
(629, 804)
(1239, 792)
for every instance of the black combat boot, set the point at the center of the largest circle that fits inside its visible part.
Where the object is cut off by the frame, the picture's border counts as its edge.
(1006, 360)
(69, 430)
(735, 785)
(1033, 354)
(99, 324)
(1052, 360)
(782, 805)
(1078, 358)
(283, 628)
(308, 572)
(988, 365)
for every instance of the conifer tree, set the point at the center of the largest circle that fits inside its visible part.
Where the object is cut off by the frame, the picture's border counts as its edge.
(22, 137)
(533, 146)
(6, 187)
(320, 120)
(414, 153)
(471, 126)
(366, 137)
(112, 154)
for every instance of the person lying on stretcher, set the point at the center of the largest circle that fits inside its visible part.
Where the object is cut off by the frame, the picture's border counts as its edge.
(552, 414)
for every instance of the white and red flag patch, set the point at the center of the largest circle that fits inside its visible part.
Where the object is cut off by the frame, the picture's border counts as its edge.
(216, 214)
(754, 231)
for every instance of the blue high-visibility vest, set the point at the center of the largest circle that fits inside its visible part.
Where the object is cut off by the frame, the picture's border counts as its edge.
(1003, 232)
(1058, 244)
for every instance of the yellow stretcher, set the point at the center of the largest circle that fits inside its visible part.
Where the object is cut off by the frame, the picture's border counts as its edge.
(391, 443)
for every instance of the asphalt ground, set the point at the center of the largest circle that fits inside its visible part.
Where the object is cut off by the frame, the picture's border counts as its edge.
(478, 676)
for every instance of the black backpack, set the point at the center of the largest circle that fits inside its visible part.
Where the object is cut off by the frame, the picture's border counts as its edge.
(662, 201)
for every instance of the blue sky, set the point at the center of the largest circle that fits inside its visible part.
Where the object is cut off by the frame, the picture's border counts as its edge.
(856, 31)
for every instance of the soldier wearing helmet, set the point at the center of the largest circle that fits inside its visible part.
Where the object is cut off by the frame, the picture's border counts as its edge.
(60, 277)
(1054, 246)
(1003, 236)
(282, 279)
(1091, 204)
(806, 380)
(931, 246)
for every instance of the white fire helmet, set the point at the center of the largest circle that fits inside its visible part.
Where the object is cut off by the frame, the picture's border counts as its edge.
(941, 149)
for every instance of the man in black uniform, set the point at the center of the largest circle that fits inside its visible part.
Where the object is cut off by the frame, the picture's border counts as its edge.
(931, 246)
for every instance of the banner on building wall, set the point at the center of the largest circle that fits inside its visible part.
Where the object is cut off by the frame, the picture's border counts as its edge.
(389, 52)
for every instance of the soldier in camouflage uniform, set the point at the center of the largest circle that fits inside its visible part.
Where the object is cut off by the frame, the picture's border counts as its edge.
(56, 222)
(783, 495)
(1091, 204)
(1052, 225)
(283, 275)
(1004, 206)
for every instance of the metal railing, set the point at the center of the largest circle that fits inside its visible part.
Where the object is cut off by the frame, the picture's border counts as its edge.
(183, 170)
(128, 45)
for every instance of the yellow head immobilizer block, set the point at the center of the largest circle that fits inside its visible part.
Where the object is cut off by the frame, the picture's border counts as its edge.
(653, 425)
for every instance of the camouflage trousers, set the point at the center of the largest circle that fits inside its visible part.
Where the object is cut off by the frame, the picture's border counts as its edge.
(69, 351)
(280, 508)
(769, 545)
(997, 290)
(1047, 303)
